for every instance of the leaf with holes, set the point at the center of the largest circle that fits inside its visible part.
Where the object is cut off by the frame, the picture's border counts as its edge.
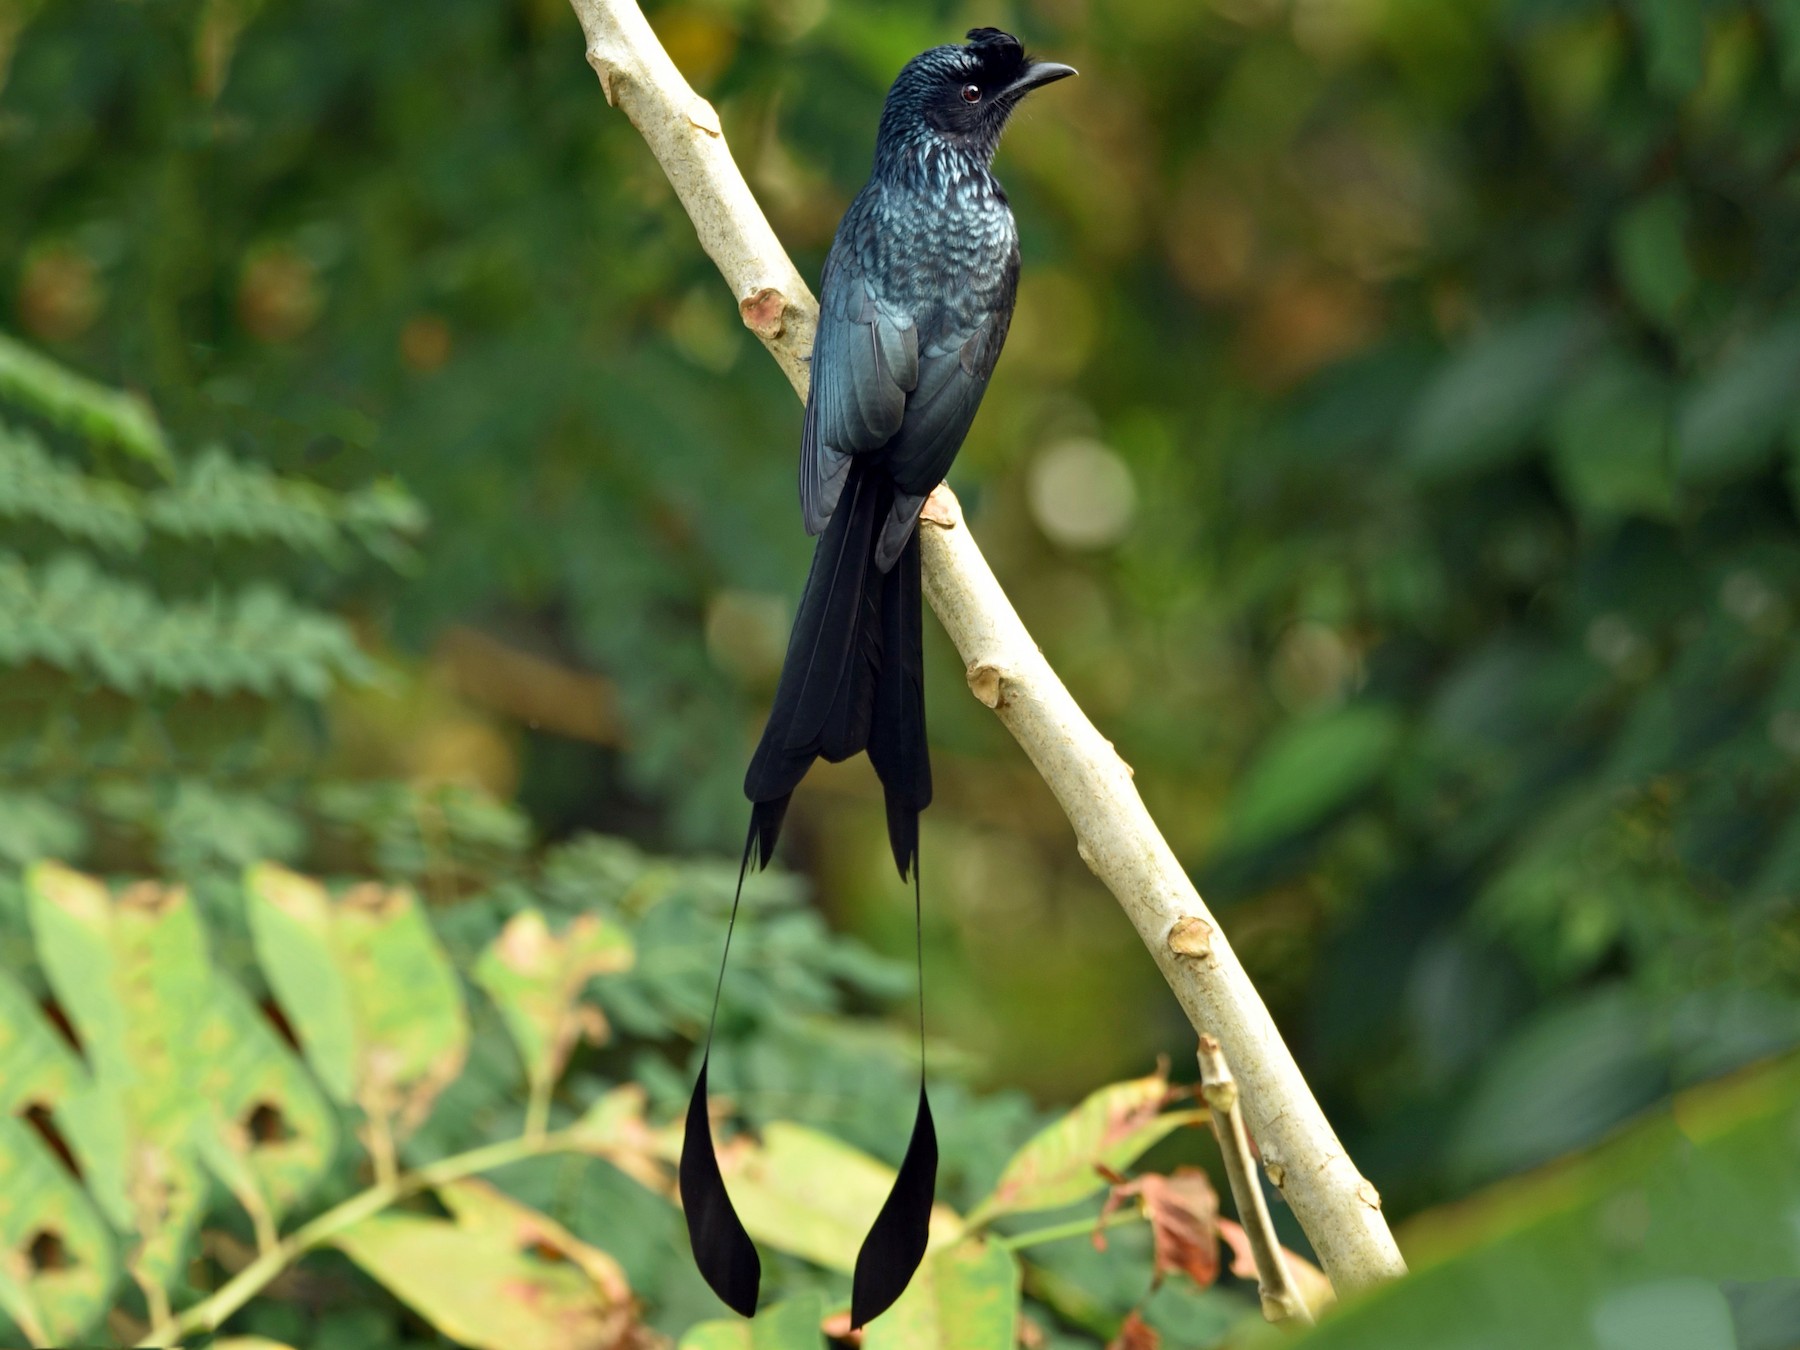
(53, 1237)
(536, 978)
(271, 1134)
(290, 923)
(1059, 1165)
(131, 973)
(375, 998)
(965, 1297)
(37, 1068)
(498, 1275)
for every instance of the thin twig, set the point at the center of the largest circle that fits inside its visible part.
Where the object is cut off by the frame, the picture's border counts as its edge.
(1281, 1300)
(210, 1313)
(1339, 1210)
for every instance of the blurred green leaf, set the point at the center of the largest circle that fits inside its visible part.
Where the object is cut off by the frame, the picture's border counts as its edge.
(1609, 442)
(1674, 34)
(536, 979)
(376, 1000)
(1650, 252)
(1641, 1243)
(1568, 1077)
(58, 1262)
(290, 918)
(812, 1195)
(131, 973)
(1480, 410)
(498, 1275)
(272, 1133)
(1728, 425)
(790, 1325)
(1309, 769)
(965, 1297)
(37, 1068)
(69, 400)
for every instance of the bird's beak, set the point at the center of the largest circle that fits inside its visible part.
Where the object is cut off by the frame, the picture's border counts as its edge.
(1037, 73)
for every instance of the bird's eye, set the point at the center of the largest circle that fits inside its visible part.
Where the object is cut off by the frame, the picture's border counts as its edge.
(971, 93)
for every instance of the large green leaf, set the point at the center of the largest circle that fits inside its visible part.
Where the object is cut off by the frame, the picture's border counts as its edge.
(132, 975)
(272, 1134)
(1309, 769)
(37, 1068)
(1610, 438)
(813, 1195)
(363, 978)
(1729, 425)
(58, 1262)
(1660, 1240)
(536, 979)
(965, 1297)
(1480, 411)
(498, 1275)
(1112, 1128)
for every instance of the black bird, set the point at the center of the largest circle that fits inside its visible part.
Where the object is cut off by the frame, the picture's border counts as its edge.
(914, 306)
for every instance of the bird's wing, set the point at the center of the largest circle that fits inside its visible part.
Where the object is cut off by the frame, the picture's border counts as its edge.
(865, 362)
(954, 366)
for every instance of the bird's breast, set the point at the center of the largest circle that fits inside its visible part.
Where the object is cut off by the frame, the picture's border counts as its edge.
(944, 245)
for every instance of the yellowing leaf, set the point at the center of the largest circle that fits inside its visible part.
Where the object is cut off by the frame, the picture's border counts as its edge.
(536, 978)
(501, 1276)
(1061, 1163)
(37, 1067)
(272, 1133)
(813, 1195)
(132, 975)
(375, 998)
(58, 1264)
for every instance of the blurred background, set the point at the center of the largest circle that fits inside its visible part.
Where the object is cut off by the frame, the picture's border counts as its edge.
(1395, 452)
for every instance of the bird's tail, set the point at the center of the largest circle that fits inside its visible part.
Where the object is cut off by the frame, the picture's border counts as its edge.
(853, 678)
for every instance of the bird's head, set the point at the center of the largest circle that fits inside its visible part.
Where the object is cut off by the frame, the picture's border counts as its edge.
(962, 96)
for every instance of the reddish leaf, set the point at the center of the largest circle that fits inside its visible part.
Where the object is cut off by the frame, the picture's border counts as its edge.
(1183, 1210)
(1184, 1217)
(1135, 1334)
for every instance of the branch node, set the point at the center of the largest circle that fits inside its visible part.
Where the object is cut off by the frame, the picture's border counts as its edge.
(1191, 936)
(986, 682)
(704, 116)
(765, 313)
(606, 71)
(1368, 1194)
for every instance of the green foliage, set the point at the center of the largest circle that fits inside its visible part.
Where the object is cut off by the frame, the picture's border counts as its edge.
(1667, 1236)
(180, 1076)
